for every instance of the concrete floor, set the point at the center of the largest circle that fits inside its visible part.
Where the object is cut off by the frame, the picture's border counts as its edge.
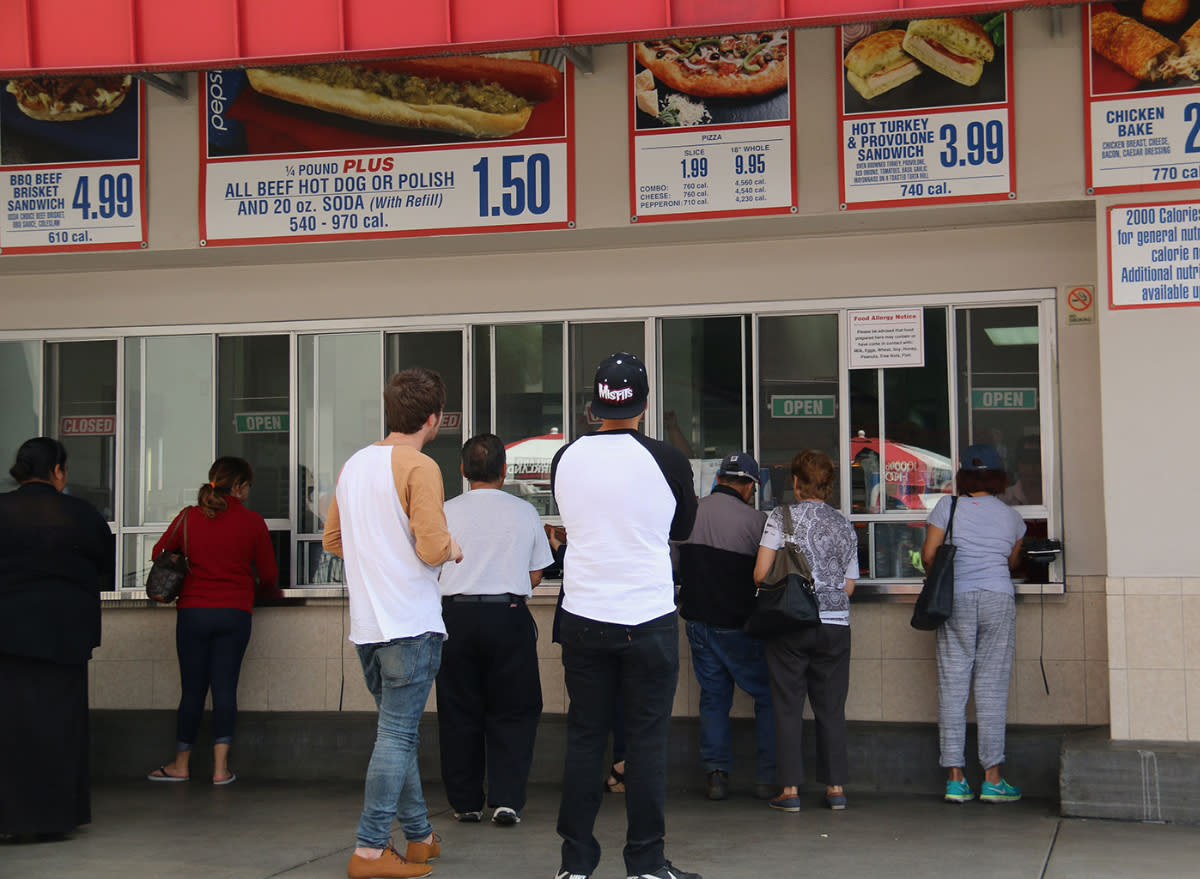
(304, 830)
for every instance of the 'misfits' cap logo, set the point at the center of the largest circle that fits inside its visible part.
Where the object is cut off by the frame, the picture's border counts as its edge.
(619, 395)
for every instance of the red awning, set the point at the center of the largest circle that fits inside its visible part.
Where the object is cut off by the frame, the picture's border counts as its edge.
(53, 36)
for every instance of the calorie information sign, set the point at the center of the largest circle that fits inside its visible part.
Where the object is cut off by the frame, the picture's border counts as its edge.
(1140, 136)
(931, 139)
(77, 184)
(696, 155)
(275, 171)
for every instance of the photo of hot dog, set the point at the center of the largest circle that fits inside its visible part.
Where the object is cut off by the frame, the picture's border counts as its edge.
(471, 96)
(69, 98)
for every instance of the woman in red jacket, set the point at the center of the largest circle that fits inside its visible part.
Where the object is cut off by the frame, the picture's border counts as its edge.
(226, 545)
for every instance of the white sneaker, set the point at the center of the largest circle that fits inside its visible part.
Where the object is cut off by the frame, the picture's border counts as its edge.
(566, 875)
(468, 817)
(506, 817)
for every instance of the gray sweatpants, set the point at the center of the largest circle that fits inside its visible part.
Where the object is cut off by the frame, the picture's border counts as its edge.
(976, 641)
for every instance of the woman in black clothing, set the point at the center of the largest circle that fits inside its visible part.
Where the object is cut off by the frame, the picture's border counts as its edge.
(56, 555)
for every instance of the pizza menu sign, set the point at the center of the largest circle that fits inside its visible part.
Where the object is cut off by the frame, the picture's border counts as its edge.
(925, 111)
(711, 127)
(72, 164)
(1141, 64)
(399, 148)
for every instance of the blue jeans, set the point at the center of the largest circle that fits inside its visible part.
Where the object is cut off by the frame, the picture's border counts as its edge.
(722, 658)
(399, 674)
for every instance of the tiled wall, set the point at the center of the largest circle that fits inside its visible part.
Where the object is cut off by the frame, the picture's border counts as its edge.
(299, 660)
(1154, 650)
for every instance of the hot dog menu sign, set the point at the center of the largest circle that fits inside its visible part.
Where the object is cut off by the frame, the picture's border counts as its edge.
(1142, 95)
(414, 147)
(72, 164)
(711, 127)
(925, 111)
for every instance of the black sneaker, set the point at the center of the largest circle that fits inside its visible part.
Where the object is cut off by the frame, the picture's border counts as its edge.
(666, 871)
(472, 817)
(505, 816)
(567, 874)
(717, 785)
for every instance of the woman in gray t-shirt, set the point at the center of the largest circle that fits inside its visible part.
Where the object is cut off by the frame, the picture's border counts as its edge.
(978, 639)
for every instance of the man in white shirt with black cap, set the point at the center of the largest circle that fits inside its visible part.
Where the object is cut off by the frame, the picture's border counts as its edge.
(623, 498)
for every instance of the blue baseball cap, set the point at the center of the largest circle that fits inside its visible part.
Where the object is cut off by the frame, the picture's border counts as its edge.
(981, 456)
(740, 464)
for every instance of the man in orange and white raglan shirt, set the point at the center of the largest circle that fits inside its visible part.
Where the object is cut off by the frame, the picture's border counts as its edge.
(386, 521)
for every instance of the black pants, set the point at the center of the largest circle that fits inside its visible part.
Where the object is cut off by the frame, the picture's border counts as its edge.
(813, 663)
(489, 699)
(600, 661)
(210, 642)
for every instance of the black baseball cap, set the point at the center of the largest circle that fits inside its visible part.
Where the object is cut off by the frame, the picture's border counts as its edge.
(621, 387)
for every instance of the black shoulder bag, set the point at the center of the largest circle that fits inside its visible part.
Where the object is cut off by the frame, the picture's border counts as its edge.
(169, 570)
(935, 604)
(786, 601)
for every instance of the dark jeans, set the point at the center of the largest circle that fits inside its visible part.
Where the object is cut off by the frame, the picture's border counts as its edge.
(489, 699)
(812, 663)
(210, 642)
(600, 661)
(722, 658)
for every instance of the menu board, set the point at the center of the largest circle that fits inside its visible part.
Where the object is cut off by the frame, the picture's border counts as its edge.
(925, 112)
(1141, 96)
(710, 121)
(1154, 255)
(415, 147)
(72, 164)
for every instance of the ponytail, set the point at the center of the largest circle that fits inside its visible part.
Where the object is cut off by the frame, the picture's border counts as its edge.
(225, 473)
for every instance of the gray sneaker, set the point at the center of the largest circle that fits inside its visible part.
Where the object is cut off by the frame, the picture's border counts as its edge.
(717, 785)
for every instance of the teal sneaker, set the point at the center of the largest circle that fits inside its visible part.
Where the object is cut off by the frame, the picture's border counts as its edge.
(958, 792)
(999, 793)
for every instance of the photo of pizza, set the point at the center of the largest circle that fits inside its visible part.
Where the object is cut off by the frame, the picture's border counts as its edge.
(715, 80)
(734, 66)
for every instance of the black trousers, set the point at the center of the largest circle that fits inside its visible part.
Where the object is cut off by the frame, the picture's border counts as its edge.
(600, 661)
(813, 663)
(210, 642)
(489, 699)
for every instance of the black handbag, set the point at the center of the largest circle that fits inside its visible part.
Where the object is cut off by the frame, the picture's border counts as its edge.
(169, 570)
(935, 604)
(786, 601)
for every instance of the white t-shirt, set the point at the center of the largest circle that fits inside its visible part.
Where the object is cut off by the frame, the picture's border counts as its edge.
(502, 540)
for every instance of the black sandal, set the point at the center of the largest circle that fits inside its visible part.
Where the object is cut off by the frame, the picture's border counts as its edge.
(614, 780)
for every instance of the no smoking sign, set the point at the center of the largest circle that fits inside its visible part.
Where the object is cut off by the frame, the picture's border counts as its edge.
(1080, 302)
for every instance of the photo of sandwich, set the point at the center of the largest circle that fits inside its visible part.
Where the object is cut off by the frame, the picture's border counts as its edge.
(878, 63)
(954, 47)
(964, 56)
(63, 119)
(69, 98)
(1141, 46)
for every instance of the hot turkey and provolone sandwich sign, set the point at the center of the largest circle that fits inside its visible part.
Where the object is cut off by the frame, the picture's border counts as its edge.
(925, 112)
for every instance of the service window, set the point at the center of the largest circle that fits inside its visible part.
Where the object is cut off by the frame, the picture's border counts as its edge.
(81, 412)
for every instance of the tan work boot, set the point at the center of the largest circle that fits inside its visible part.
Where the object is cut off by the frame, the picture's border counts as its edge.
(389, 865)
(423, 852)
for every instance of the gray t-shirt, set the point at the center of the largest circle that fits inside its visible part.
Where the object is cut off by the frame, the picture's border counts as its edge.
(502, 540)
(985, 530)
(828, 541)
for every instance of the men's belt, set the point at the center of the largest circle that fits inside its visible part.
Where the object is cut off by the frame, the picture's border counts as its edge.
(502, 598)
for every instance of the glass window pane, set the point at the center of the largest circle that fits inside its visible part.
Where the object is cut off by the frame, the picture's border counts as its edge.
(168, 424)
(798, 395)
(890, 551)
(340, 410)
(703, 394)
(441, 351)
(529, 416)
(591, 343)
(318, 567)
(481, 354)
(998, 392)
(81, 411)
(253, 417)
(913, 448)
(20, 394)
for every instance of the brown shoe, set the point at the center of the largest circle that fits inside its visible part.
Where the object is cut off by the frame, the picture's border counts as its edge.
(389, 865)
(423, 852)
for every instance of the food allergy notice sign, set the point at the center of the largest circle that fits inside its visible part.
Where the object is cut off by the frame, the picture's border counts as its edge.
(1141, 97)
(711, 127)
(1154, 255)
(881, 338)
(925, 112)
(413, 147)
(72, 164)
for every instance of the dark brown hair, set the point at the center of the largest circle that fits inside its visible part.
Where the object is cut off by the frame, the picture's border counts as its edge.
(812, 471)
(991, 481)
(483, 458)
(410, 397)
(224, 475)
